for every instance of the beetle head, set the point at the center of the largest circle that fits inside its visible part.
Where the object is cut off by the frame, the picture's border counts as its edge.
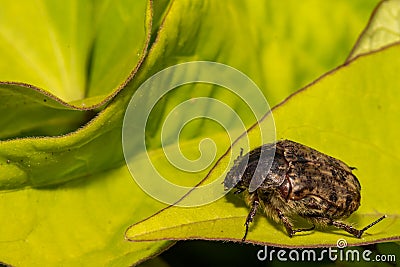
(235, 174)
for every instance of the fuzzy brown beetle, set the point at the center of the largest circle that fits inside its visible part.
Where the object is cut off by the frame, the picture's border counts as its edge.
(301, 182)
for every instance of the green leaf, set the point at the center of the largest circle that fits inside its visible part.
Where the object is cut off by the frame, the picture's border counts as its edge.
(79, 223)
(46, 161)
(31, 112)
(76, 223)
(73, 153)
(117, 51)
(383, 29)
(274, 64)
(65, 197)
(68, 48)
(53, 160)
(70, 61)
(277, 44)
(351, 114)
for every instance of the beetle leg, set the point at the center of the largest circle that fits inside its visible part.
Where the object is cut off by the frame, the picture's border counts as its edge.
(351, 230)
(348, 228)
(289, 226)
(254, 206)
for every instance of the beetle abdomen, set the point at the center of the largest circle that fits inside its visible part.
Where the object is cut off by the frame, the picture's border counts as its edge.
(338, 193)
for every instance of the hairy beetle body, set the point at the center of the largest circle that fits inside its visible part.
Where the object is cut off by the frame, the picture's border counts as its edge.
(301, 182)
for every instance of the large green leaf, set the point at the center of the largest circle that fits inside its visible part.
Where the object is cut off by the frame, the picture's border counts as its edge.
(68, 48)
(382, 30)
(51, 160)
(60, 216)
(351, 114)
(57, 224)
(75, 151)
(80, 223)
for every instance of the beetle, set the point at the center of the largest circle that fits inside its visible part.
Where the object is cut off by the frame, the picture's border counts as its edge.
(301, 182)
